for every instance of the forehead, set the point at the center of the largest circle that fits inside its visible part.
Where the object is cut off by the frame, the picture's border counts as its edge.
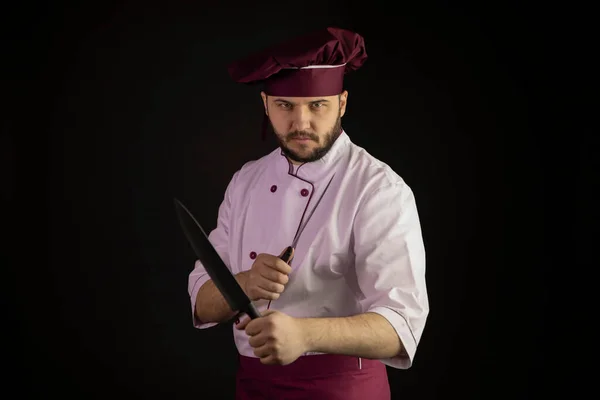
(303, 100)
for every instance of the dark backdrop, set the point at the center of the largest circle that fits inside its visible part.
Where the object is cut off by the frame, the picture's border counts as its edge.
(114, 109)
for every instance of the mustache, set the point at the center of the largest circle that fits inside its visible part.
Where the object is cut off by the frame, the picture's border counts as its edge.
(302, 135)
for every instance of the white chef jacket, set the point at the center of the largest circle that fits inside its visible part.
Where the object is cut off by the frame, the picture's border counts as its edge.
(361, 251)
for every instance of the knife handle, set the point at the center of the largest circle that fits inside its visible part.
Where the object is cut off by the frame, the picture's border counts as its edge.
(252, 311)
(285, 257)
(287, 254)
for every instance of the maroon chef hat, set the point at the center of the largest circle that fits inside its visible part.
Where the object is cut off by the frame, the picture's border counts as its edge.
(313, 65)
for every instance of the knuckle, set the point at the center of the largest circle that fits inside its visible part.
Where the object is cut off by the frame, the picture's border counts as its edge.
(275, 287)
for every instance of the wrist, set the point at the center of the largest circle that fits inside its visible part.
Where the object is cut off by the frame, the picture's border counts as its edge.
(307, 330)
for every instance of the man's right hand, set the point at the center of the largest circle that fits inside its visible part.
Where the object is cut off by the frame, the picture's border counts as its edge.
(267, 277)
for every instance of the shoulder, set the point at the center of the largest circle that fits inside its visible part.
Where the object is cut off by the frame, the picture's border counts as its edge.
(373, 174)
(382, 195)
(251, 170)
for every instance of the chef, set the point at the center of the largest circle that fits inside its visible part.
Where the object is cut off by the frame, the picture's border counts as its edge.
(352, 297)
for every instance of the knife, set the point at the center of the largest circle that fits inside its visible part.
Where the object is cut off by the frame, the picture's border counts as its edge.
(214, 265)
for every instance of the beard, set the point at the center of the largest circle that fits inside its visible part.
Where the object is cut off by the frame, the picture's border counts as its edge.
(324, 143)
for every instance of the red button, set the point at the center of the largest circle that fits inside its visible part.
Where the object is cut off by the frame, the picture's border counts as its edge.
(273, 188)
(304, 192)
(252, 255)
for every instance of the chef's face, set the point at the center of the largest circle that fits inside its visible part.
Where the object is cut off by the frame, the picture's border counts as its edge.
(306, 127)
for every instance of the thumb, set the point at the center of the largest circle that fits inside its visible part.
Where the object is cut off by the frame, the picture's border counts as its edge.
(287, 254)
(242, 322)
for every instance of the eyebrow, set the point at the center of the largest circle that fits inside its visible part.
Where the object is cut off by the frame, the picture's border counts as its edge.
(310, 102)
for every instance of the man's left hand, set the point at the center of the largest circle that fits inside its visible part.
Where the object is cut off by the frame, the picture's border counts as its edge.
(276, 337)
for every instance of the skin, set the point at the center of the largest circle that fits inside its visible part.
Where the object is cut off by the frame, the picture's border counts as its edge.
(278, 338)
(316, 118)
(265, 280)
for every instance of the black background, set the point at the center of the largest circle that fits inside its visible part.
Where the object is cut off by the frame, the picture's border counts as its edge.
(114, 109)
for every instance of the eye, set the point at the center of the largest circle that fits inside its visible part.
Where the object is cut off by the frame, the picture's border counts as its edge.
(317, 105)
(284, 106)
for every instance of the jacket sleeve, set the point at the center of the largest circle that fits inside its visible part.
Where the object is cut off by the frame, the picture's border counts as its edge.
(219, 237)
(390, 265)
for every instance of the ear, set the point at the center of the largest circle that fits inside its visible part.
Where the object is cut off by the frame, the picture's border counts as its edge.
(265, 102)
(343, 102)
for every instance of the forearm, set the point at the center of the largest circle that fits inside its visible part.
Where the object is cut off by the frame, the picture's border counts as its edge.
(211, 306)
(367, 335)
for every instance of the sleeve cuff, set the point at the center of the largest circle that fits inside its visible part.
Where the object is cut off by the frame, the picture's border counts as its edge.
(193, 294)
(405, 359)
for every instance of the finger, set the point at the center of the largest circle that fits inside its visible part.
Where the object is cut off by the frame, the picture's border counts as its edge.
(243, 323)
(269, 359)
(270, 286)
(274, 275)
(260, 293)
(257, 341)
(278, 264)
(262, 351)
(239, 317)
(256, 326)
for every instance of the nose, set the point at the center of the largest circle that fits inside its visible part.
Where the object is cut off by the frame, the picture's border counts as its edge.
(300, 119)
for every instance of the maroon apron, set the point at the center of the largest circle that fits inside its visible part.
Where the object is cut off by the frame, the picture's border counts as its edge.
(314, 377)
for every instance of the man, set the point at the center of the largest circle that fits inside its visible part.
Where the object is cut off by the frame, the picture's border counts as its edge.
(352, 298)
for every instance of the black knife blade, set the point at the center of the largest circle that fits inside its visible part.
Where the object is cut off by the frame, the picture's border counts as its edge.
(213, 264)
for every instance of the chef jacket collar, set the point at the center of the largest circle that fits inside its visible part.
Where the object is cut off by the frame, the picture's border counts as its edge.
(315, 170)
